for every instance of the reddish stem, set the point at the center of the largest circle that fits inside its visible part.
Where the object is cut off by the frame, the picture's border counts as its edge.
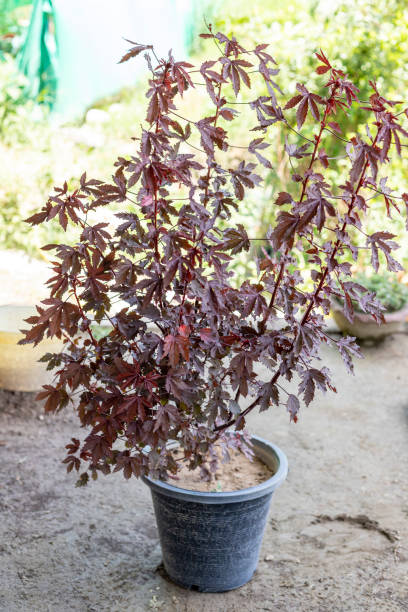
(217, 112)
(277, 374)
(338, 242)
(83, 315)
(302, 195)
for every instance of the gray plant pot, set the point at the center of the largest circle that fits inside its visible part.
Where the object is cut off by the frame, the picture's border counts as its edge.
(364, 326)
(210, 541)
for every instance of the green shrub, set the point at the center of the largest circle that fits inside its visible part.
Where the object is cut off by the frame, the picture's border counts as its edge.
(391, 293)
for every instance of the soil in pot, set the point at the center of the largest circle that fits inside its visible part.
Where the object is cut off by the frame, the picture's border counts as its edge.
(239, 472)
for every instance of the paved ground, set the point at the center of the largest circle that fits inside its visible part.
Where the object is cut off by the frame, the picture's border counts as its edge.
(96, 549)
(64, 549)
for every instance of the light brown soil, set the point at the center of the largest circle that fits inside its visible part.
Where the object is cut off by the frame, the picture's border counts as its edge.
(238, 473)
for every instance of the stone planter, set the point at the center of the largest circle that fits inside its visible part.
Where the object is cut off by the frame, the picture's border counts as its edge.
(364, 325)
(20, 369)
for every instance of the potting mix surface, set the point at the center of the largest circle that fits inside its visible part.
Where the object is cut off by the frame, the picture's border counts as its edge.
(239, 472)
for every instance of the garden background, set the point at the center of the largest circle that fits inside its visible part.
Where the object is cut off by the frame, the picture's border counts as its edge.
(40, 148)
(337, 536)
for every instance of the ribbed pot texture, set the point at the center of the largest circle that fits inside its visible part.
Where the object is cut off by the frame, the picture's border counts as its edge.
(210, 541)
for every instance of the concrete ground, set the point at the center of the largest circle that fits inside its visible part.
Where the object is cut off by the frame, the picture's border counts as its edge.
(336, 538)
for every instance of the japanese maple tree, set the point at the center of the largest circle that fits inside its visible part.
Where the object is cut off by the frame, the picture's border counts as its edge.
(183, 340)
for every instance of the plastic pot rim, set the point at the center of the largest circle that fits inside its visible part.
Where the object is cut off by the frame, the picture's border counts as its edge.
(205, 497)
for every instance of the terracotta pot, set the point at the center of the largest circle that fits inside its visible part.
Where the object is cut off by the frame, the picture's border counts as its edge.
(20, 369)
(364, 325)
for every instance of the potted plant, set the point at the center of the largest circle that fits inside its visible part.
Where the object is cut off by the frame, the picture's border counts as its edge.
(178, 364)
(392, 294)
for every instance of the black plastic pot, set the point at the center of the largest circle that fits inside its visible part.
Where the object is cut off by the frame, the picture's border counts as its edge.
(211, 541)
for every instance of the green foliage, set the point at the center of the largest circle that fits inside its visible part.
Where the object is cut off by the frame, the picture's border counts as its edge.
(364, 38)
(100, 331)
(36, 154)
(13, 234)
(12, 99)
(12, 24)
(361, 38)
(391, 293)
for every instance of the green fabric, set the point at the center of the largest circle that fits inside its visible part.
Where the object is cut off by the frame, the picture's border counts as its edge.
(37, 58)
(72, 49)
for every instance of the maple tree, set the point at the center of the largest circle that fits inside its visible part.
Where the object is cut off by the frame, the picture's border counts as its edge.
(183, 341)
